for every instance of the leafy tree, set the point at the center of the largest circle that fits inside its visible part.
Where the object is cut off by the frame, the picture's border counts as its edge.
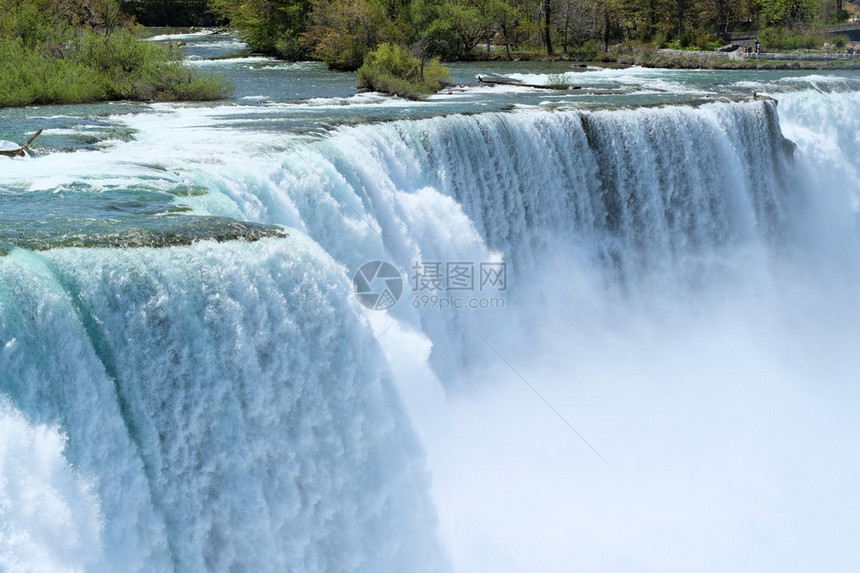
(786, 12)
(168, 12)
(452, 28)
(506, 18)
(269, 26)
(343, 32)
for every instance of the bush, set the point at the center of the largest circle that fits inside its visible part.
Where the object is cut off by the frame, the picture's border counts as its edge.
(771, 38)
(558, 81)
(132, 69)
(587, 51)
(49, 56)
(32, 76)
(837, 17)
(802, 41)
(392, 69)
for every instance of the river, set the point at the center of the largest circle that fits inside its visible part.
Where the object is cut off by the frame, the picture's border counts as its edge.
(308, 329)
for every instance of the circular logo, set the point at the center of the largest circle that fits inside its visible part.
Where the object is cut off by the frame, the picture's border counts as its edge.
(377, 285)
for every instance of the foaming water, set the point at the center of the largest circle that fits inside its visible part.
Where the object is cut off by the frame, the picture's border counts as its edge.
(669, 386)
(683, 297)
(50, 518)
(226, 419)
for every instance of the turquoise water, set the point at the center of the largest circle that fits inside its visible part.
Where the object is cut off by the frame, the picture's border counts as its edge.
(665, 381)
(293, 103)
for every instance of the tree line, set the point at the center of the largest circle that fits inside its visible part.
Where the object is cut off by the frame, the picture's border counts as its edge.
(343, 32)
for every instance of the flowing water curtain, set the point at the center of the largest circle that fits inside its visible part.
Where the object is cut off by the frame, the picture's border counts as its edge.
(238, 406)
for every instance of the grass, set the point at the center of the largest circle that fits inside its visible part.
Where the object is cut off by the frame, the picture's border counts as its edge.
(559, 81)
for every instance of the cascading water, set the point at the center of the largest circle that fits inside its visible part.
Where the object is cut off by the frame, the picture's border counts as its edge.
(647, 199)
(682, 292)
(228, 403)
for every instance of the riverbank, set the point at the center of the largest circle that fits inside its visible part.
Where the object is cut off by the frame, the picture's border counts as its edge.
(688, 59)
(736, 60)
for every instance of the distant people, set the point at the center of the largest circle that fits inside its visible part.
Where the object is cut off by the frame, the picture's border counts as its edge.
(757, 47)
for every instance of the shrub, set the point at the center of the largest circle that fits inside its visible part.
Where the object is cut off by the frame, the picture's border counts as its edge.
(145, 70)
(587, 51)
(50, 55)
(837, 17)
(392, 69)
(32, 76)
(771, 38)
(558, 81)
(802, 41)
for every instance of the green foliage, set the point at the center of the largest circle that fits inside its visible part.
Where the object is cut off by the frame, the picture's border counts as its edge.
(801, 41)
(588, 51)
(392, 69)
(454, 27)
(269, 26)
(786, 12)
(697, 39)
(33, 76)
(168, 13)
(345, 31)
(839, 16)
(559, 81)
(435, 75)
(771, 38)
(779, 39)
(64, 51)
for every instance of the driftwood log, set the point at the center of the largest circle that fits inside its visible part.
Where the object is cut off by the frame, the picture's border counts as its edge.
(20, 151)
(539, 86)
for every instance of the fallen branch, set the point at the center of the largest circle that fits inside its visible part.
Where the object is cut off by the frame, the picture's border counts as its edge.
(539, 86)
(20, 151)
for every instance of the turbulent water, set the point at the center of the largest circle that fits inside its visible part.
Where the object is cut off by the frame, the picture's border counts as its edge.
(660, 375)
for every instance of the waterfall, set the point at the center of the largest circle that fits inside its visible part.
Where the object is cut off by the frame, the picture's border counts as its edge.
(681, 294)
(227, 403)
(644, 203)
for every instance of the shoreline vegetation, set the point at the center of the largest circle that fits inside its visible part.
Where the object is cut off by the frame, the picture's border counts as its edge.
(76, 51)
(80, 51)
(344, 33)
(651, 57)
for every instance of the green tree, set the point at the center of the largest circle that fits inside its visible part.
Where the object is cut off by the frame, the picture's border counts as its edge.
(786, 12)
(269, 26)
(452, 28)
(343, 32)
(547, 27)
(506, 18)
